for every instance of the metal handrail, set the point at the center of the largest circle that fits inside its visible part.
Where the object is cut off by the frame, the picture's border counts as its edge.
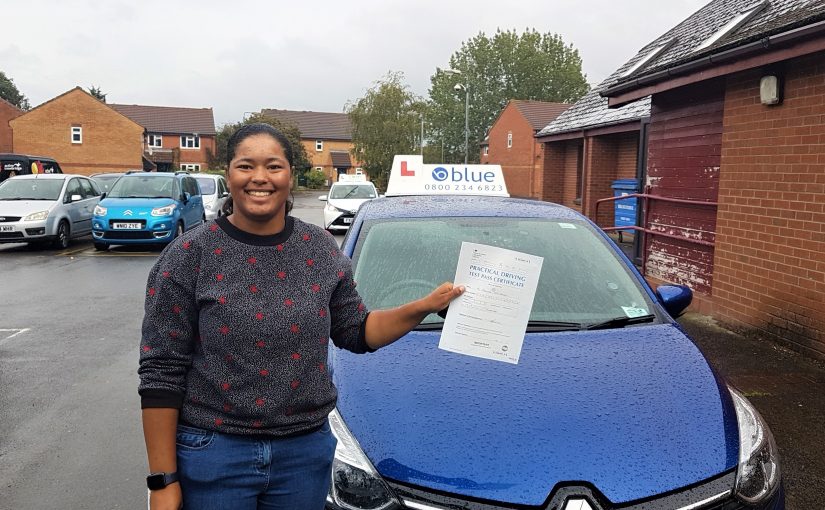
(646, 197)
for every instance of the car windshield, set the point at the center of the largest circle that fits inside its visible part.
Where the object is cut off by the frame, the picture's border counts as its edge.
(341, 191)
(141, 186)
(31, 189)
(582, 280)
(105, 181)
(207, 185)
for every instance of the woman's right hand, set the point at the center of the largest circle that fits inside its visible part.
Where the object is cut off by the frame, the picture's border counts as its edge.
(168, 498)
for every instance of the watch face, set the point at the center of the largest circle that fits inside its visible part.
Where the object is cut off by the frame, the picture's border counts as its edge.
(155, 481)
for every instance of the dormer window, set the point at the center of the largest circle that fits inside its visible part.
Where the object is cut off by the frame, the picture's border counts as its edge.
(650, 56)
(733, 25)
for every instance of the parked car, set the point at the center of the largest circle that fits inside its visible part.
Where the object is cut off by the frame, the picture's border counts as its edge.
(23, 164)
(343, 201)
(610, 404)
(214, 192)
(44, 208)
(147, 208)
(105, 180)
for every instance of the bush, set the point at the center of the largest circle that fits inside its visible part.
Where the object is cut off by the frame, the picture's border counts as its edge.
(316, 179)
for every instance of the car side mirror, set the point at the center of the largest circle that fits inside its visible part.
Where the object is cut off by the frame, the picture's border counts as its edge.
(224, 194)
(674, 298)
(76, 198)
(322, 198)
(103, 195)
(185, 196)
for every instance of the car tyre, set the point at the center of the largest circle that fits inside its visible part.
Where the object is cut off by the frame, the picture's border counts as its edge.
(178, 230)
(63, 237)
(101, 246)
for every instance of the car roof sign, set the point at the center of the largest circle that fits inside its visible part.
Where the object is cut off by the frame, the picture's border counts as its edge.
(410, 176)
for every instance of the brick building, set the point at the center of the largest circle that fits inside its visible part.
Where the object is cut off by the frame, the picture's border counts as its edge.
(326, 137)
(83, 134)
(176, 138)
(7, 112)
(735, 161)
(511, 143)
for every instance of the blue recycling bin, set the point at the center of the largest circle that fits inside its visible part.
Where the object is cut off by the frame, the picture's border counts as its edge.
(625, 209)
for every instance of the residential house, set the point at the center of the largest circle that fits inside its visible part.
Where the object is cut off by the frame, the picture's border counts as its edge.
(511, 143)
(176, 138)
(7, 112)
(736, 163)
(326, 137)
(84, 134)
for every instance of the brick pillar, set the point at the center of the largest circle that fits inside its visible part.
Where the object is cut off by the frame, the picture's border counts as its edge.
(599, 173)
(552, 180)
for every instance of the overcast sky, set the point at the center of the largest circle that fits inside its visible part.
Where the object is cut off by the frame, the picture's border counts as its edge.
(239, 56)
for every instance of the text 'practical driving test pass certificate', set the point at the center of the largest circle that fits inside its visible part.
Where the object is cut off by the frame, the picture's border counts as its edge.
(489, 320)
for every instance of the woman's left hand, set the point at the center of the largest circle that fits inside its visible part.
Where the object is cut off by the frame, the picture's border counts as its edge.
(438, 299)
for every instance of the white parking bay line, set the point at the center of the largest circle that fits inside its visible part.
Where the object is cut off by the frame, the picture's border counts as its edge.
(9, 333)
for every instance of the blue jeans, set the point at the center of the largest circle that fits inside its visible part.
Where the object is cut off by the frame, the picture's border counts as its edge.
(222, 471)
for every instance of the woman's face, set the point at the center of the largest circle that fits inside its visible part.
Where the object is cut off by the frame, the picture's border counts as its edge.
(259, 179)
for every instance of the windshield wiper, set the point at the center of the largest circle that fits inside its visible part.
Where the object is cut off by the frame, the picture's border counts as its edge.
(620, 322)
(534, 326)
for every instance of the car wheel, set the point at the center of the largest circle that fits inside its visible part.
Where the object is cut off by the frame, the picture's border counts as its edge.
(62, 239)
(101, 246)
(179, 230)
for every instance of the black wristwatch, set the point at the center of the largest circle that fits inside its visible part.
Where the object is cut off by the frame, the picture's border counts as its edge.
(157, 481)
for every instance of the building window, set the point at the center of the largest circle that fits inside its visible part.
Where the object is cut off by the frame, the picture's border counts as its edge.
(190, 167)
(359, 171)
(77, 134)
(509, 139)
(319, 168)
(319, 145)
(190, 142)
(486, 150)
(155, 141)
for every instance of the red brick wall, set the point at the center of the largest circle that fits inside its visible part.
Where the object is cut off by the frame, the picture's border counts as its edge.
(191, 155)
(7, 112)
(518, 162)
(609, 157)
(684, 148)
(769, 264)
(111, 142)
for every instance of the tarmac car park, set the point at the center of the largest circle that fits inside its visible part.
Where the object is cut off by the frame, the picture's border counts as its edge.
(610, 405)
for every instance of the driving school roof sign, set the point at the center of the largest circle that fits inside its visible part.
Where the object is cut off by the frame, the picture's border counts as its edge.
(410, 176)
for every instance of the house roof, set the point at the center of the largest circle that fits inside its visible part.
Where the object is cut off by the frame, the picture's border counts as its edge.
(592, 111)
(76, 89)
(539, 113)
(170, 119)
(340, 159)
(315, 125)
(776, 17)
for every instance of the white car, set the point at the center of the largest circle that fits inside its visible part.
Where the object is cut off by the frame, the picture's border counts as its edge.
(343, 201)
(43, 208)
(214, 192)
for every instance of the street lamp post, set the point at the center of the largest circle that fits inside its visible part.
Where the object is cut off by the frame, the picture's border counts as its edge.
(457, 87)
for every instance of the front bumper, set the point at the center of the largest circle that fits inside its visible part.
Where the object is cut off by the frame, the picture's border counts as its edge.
(337, 220)
(151, 230)
(26, 231)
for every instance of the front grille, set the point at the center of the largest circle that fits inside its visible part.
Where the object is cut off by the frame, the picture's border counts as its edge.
(9, 219)
(339, 221)
(128, 234)
(11, 235)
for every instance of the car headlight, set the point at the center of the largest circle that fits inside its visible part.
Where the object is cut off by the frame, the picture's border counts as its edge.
(166, 210)
(356, 485)
(38, 216)
(758, 474)
(100, 211)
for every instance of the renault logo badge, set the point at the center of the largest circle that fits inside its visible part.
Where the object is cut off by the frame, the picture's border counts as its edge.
(577, 504)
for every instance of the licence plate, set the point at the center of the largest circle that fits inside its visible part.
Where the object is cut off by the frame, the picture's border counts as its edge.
(347, 220)
(6, 228)
(126, 226)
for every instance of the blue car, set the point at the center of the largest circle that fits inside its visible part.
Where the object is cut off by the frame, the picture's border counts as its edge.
(610, 405)
(147, 208)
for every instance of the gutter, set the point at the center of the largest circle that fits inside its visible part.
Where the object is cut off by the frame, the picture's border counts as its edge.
(717, 58)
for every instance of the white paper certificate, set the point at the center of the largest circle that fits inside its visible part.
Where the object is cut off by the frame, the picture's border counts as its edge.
(489, 320)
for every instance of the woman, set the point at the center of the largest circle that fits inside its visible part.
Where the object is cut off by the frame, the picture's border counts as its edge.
(234, 388)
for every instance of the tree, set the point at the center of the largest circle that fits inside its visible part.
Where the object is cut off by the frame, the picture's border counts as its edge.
(97, 93)
(385, 122)
(9, 92)
(496, 69)
(300, 163)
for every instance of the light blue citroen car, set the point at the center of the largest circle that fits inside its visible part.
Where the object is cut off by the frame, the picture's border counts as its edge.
(147, 208)
(610, 406)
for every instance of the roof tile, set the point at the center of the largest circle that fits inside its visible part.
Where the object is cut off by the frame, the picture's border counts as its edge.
(315, 125)
(170, 119)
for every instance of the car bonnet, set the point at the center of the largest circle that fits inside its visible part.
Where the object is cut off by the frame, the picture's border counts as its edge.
(117, 206)
(635, 412)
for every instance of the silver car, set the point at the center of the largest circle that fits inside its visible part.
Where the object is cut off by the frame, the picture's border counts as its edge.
(46, 208)
(214, 192)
